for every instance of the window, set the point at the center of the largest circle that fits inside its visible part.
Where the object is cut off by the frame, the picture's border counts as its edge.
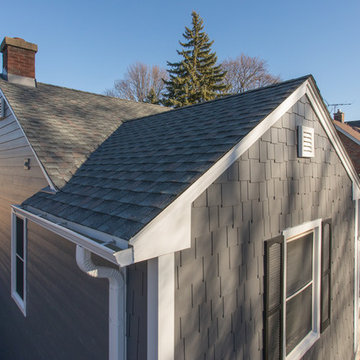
(297, 289)
(18, 260)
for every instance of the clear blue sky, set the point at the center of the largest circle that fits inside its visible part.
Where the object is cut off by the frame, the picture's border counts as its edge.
(86, 45)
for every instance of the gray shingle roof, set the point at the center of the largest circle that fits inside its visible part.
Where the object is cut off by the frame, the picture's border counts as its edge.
(64, 126)
(146, 163)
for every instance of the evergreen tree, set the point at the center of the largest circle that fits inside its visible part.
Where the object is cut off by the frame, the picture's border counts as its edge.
(196, 78)
(152, 98)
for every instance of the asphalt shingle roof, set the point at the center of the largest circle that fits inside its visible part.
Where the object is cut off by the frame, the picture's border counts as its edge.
(146, 163)
(64, 126)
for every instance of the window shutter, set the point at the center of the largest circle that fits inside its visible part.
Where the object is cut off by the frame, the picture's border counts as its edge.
(325, 274)
(273, 265)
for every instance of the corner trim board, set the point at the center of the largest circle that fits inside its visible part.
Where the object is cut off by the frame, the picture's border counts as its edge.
(161, 308)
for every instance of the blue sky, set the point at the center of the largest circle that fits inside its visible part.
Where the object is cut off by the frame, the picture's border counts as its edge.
(86, 45)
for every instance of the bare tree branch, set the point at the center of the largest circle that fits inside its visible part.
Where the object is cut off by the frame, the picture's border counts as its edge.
(246, 73)
(142, 83)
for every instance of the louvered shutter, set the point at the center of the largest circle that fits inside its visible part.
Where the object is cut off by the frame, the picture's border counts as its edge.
(273, 262)
(325, 274)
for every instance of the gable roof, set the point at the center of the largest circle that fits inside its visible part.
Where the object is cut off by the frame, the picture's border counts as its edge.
(136, 188)
(350, 137)
(145, 164)
(64, 126)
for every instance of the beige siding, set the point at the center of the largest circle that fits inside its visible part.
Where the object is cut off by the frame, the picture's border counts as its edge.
(17, 183)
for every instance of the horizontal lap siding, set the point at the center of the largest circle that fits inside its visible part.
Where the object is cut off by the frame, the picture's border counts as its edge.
(67, 311)
(219, 280)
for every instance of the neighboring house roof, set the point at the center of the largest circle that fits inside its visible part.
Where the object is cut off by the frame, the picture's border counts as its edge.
(145, 164)
(64, 126)
(350, 137)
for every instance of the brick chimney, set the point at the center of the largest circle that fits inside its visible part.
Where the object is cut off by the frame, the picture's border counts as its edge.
(18, 61)
(339, 116)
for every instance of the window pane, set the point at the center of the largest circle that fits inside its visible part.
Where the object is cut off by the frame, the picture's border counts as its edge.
(20, 277)
(20, 237)
(298, 318)
(299, 263)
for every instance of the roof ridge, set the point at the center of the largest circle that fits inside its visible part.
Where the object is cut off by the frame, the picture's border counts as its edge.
(96, 94)
(228, 96)
(80, 91)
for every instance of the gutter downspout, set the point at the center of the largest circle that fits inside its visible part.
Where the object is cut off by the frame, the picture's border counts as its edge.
(117, 300)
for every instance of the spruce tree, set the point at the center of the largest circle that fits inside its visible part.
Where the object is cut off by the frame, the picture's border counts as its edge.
(196, 78)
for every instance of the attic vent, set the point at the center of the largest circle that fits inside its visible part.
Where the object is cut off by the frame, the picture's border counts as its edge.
(2, 107)
(306, 141)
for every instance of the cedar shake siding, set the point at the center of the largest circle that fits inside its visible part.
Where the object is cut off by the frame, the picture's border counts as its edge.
(219, 281)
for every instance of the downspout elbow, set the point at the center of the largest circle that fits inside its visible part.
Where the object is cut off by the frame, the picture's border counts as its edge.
(117, 303)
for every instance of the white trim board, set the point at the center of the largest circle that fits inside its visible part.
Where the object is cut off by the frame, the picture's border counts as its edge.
(20, 302)
(161, 308)
(47, 177)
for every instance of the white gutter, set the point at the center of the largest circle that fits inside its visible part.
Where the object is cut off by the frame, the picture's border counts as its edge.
(117, 300)
(122, 258)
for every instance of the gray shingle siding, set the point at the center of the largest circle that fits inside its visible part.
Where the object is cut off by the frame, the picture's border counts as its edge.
(219, 280)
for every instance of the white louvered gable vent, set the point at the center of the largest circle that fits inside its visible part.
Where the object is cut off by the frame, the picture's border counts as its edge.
(306, 142)
(2, 107)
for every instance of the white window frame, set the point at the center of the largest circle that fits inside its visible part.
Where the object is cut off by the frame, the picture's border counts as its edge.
(21, 303)
(293, 234)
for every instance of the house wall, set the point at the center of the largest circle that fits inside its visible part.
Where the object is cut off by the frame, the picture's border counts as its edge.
(219, 281)
(67, 311)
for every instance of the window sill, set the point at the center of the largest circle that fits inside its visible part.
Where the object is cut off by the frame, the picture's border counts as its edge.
(19, 302)
(299, 351)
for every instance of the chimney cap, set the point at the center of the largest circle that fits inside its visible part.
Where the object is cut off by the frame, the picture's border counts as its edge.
(18, 42)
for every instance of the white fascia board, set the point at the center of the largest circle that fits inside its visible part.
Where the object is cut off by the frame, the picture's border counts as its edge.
(51, 184)
(170, 231)
(338, 128)
(326, 122)
(78, 239)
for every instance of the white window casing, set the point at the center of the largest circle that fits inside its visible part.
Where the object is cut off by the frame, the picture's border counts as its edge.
(16, 257)
(292, 234)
